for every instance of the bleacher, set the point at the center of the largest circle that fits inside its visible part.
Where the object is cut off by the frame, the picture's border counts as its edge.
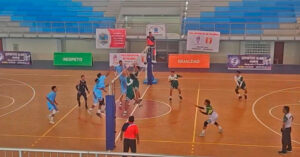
(54, 16)
(243, 17)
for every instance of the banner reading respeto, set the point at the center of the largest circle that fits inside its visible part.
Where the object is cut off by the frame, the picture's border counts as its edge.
(15, 57)
(128, 59)
(189, 61)
(110, 38)
(249, 62)
(203, 41)
(157, 30)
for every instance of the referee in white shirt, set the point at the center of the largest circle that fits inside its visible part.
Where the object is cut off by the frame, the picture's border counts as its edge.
(286, 131)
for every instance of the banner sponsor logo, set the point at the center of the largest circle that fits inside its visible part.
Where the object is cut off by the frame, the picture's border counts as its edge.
(110, 38)
(189, 61)
(203, 41)
(249, 62)
(15, 57)
(158, 30)
(73, 59)
(128, 59)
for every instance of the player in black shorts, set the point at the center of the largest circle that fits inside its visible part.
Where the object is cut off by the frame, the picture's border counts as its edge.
(81, 91)
(240, 84)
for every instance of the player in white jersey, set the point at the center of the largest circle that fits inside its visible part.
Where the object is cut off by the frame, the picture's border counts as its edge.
(212, 117)
(286, 131)
(240, 84)
(173, 79)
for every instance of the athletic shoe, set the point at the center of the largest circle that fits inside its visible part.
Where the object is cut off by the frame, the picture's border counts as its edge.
(240, 97)
(221, 131)
(289, 151)
(245, 96)
(51, 122)
(102, 111)
(170, 99)
(99, 115)
(202, 134)
(180, 97)
(281, 152)
(89, 111)
(124, 113)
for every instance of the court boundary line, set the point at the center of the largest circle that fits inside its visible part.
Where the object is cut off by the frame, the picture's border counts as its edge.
(154, 141)
(272, 115)
(260, 98)
(136, 106)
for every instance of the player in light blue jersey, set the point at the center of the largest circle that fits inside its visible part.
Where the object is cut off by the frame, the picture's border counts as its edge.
(98, 99)
(51, 103)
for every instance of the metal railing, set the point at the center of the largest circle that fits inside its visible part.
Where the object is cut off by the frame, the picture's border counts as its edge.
(22, 152)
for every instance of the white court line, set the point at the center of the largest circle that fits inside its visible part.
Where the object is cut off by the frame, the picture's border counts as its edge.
(272, 115)
(29, 101)
(136, 106)
(11, 98)
(262, 123)
(203, 78)
(170, 109)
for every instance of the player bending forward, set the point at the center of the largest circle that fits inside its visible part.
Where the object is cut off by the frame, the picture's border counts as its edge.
(240, 84)
(51, 103)
(173, 79)
(212, 117)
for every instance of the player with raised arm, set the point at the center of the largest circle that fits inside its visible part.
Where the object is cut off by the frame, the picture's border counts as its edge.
(212, 117)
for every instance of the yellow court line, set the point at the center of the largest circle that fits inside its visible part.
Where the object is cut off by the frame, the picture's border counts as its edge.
(52, 127)
(196, 115)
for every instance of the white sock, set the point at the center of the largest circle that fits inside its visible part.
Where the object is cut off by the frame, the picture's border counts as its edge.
(220, 128)
(98, 111)
(203, 132)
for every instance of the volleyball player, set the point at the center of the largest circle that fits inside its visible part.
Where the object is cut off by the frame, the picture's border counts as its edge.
(98, 99)
(129, 92)
(81, 91)
(101, 86)
(212, 117)
(173, 79)
(51, 103)
(119, 71)
(240, 84)
(136, 84)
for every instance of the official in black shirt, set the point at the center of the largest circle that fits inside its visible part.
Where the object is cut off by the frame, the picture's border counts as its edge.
(81, 91)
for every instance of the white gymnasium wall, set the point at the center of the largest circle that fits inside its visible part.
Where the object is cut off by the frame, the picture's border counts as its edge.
(226, 48)
(41, 49)
(291, 52)
(86, 45)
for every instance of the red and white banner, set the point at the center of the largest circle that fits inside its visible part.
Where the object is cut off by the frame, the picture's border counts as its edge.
(203, 41)
(128, 59)
(110, 38)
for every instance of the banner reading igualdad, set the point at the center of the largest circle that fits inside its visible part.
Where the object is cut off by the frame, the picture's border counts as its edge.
(203, 41)
(110, 38)
(249, 62)
(15, 57)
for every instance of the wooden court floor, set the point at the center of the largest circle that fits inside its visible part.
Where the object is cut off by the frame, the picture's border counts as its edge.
(251, 127)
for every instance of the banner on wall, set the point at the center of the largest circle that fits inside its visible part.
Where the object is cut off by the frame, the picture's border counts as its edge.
(110, 38)
(203, 41)
(189, 61)
(157, 30)
(15, 57)
(249, 62)
(73, 59)
(128, 59)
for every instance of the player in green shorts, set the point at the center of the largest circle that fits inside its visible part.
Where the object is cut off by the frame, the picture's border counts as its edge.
(173, 79)
(240, 84)
(136, 84)
(129, 93)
